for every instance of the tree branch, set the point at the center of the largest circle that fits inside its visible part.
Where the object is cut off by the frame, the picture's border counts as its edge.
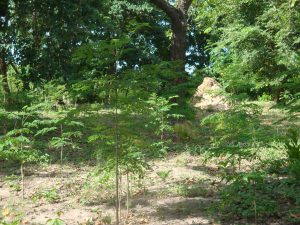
(184, 5)
(170, 10)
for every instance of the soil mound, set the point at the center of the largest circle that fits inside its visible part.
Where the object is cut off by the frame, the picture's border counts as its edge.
(207, 96)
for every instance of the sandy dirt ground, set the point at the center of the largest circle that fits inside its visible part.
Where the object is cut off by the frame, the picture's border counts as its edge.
(73, 195)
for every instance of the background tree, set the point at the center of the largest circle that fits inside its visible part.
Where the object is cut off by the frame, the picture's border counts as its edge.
(253, 51)
(4, 43)
(178, 16)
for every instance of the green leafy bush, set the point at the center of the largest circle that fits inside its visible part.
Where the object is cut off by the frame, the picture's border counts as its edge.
(265, 97)
(235, 126)
(50, 195)
(55, 221)
(159, 118)
(185, 131)
(248, 196)
(236, 134)
(292, 146)
(164, 174)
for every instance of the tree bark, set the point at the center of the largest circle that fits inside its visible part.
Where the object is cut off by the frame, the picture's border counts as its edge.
(179, 23)
(3, 53)
(3, 72)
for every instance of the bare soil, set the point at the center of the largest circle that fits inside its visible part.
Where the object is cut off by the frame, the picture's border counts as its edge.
(67, 193)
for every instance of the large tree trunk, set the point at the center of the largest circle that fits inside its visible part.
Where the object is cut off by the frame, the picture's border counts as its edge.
(3, 72)
(178, 18)
(3, 54)
(178, 46)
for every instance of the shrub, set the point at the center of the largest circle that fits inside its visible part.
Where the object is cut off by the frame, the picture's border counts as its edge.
(185, 131)
(292, 145)
(265, 97)
(248, 196)
(50, 195)
(164, 174)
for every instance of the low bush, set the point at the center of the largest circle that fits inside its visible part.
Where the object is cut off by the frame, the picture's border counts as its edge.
(292, 145)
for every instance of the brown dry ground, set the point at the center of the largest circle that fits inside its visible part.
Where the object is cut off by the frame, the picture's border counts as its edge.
(183, 198)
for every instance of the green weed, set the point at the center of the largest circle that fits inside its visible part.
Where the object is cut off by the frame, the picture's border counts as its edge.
(164, 174)
(50, 195)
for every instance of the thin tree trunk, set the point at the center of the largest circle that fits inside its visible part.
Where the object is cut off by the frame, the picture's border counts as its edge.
(22, 178)
(127, 197)
(62, 147)
(117, 160)
(120, 195)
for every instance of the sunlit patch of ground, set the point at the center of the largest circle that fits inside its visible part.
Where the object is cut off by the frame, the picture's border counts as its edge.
(183, 197)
